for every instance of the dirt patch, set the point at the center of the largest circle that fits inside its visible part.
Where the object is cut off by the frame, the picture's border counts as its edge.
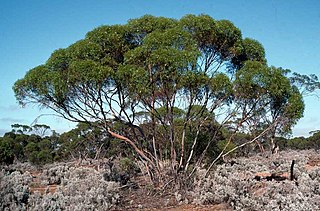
(36, 186)
(312, 163)
(139, 200)
(44, 189)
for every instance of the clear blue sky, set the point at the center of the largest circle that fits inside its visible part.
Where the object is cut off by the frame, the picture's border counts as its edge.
(31, 30)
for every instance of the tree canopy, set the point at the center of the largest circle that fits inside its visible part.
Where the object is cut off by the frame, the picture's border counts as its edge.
(179, 74)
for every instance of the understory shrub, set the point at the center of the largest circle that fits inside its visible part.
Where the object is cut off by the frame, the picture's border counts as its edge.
(14, 190)
(234, 183)
(77, 188)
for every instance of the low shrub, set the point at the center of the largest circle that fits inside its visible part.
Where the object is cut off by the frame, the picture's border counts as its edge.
(235, 184)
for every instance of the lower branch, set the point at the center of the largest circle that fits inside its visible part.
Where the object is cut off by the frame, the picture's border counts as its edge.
(141, 153)
(223, 154)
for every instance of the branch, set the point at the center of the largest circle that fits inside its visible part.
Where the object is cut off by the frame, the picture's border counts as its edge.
(222, 154)
(141, 153)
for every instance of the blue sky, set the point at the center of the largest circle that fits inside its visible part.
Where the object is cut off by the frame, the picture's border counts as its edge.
(31, 30)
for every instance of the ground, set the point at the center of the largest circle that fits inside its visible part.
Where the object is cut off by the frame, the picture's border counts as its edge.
(255, 183)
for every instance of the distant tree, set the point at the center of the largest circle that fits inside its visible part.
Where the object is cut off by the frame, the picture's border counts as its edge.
(45, 144)
(160, 67)
(6, 150)
(41, 129)
(298, 143)
(21, 129)
(314, 140)
(44, 156)
(84, 141)
(33, 138)
(22, 144)
(13, 146)
(31, 148)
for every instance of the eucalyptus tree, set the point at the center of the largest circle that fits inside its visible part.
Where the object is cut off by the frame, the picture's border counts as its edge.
(155, 67)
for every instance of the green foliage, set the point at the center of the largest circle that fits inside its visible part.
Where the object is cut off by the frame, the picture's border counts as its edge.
(221, 87)
(249, 50)
(161, 113)
(268, 90)
(147, 24)
(44, 156)
(30, 148)
(127, 165)
(213, 37)
(252, 81)
(85, 140)
(45, 144)
(33, 157)
(39, 153)
(297, 143)
(20, 129)
(33, 138)
(314, 140)
(226, 146)
(6, 150)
